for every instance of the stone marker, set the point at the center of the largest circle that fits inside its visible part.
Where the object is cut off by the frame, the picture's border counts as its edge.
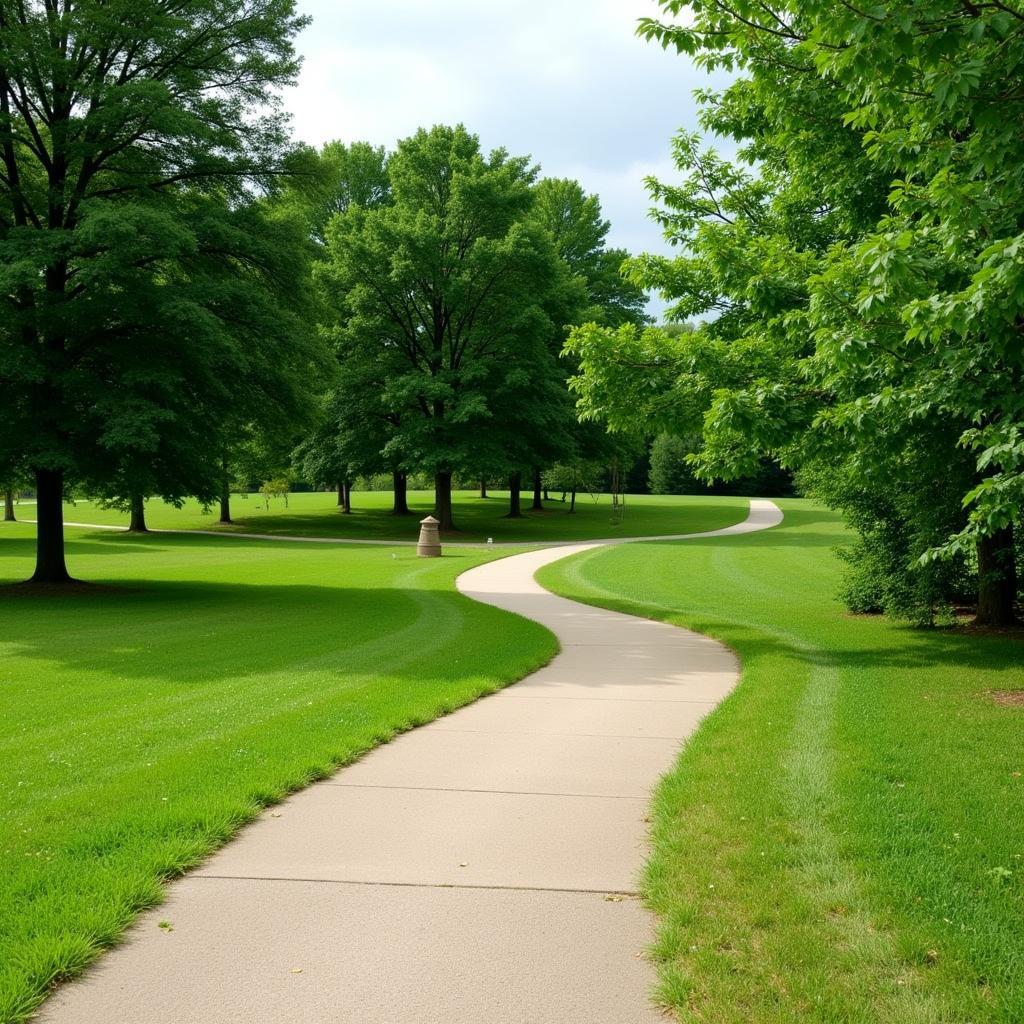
(429, 545)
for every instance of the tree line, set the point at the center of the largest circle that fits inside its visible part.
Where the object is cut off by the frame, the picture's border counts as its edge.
(448, 277)
(855, 271)
(188, 297)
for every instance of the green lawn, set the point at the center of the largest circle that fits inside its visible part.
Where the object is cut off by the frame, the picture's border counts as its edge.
(141, 725)
(843, 839)
(317, 515)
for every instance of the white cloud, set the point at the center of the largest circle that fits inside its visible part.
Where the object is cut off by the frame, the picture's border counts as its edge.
(566, 81)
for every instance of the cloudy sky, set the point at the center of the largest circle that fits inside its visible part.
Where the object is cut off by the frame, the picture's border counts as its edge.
(566, 81)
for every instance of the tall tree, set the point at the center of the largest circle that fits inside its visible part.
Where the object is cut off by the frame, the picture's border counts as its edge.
(820, 293)
(575, 222)
(131, 135)
(925, 308)
(603, 295)
(354, 426)
(444, 290)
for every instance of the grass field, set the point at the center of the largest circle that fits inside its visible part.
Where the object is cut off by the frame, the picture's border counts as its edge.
(317, 515)
(142, 724)
(843, 839)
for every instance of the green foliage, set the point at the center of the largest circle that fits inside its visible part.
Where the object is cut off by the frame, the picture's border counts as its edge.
(576, 475)
(670, 472)
(149, 302)
(843, 319)
(276, 488)
(574, 221)
(335, 178)
(443, 301)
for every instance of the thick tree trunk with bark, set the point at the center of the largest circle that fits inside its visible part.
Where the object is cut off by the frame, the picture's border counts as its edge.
(515, 482)
(50, 565)
(137, 523)
(483, 488)
(997, 579)
(443, 501)
(8, 506)
(538, 505)
(225, 502)
(346, 497)
(341, 495)
(400, 483)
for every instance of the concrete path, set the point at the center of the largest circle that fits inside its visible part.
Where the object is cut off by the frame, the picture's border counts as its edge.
(361, 541)
(479, 870)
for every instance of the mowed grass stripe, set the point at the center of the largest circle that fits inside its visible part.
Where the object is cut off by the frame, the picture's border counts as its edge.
(142, 725)
(843, 839)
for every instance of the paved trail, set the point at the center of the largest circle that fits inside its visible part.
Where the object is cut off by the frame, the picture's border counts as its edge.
(479, 870)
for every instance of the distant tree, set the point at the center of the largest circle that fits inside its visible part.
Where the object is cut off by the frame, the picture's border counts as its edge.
(352, 439)
(331, 180)
(140, 285)
(573, 476)
(574, 220)
(276, 488)
(355, 426)
(446, 285)
(12, 478)
(670, 472)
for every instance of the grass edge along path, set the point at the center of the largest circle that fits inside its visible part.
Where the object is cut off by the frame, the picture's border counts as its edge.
(152, 719)
(843, 838)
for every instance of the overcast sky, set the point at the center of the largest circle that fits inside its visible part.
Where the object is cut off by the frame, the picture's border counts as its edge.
(565, 81)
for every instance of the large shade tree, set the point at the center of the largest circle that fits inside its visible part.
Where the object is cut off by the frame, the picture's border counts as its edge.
(139, 280)
(848, 324)
(446, 290)
(355, 424)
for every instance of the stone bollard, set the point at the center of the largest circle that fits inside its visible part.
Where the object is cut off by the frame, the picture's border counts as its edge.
(429, 545)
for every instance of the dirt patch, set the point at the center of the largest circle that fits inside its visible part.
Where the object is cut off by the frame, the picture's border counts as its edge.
(1008, 698)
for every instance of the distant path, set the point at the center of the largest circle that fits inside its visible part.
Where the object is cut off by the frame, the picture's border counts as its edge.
(743, 527)
(479, 870)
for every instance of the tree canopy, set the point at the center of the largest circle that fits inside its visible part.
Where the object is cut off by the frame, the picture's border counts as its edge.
(149, 298)
(853, 270)
(445, 294)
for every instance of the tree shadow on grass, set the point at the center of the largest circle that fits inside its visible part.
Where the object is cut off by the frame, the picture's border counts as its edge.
(193, 632)
(17, 554)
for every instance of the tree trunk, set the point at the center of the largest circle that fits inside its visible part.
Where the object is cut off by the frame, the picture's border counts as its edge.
(997, 579)
(546, 496)
(346, 497)
(225, 502)
(341, 495)
(137, 523)
(8, 506)
(515, 481)
(50, 565)
(572, 501)
(483, 488)
(443, 501)
(538, 505)
(400, 482)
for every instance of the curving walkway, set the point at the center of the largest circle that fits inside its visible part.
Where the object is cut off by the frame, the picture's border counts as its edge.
(479, 870)
(360, 541)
